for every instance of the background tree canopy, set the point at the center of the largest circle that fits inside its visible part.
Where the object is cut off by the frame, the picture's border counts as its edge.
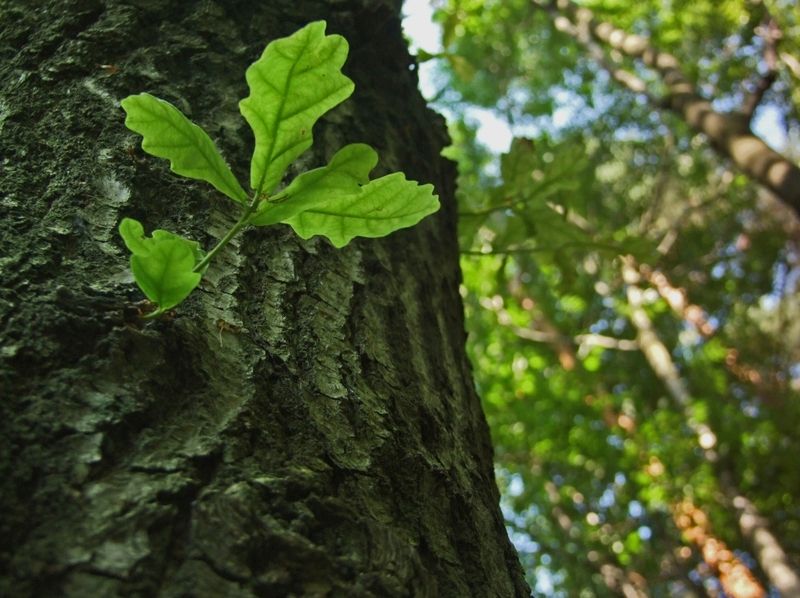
(631, 285)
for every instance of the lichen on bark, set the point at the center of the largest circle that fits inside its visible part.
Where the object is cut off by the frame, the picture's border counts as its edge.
(306, 424)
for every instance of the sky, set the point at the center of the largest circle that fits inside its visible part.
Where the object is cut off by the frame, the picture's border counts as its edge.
(418, 25)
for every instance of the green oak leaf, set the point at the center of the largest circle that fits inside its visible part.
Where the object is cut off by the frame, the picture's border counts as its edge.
(167, 133)
(345, 173)
(296, 80)
(379, 208)
(132, 232)
(162, 265)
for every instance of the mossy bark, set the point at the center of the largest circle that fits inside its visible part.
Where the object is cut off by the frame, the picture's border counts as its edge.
(306, 423)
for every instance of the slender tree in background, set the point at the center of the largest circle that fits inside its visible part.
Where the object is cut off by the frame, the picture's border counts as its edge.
(306, 424)
(729, 132)
(645, 424)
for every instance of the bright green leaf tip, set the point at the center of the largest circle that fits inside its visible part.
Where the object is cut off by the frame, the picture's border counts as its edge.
(132, 232)
(167, 133)
(162, 265)
(378, 209)
(339, 202)
(296, 80)
(345, 173)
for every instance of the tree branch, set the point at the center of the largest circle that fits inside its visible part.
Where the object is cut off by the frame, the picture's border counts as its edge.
(770, 33)
(768, 550)
(619, 74)
(588, 340)
(729, 133)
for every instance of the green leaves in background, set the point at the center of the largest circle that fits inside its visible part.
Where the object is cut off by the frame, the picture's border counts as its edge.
(163, 265)
(296, 80)
(592, 453)
(541, 203)
(167, 133)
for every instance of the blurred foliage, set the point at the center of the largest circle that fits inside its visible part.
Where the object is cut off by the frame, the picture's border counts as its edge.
(593, 454)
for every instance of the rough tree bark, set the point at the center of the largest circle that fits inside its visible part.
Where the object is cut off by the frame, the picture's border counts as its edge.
(306, 424)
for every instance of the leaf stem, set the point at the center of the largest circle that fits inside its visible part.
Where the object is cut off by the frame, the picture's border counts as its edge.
(240, 224)
(154, 314)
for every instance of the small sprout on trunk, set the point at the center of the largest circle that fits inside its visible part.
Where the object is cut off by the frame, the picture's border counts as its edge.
(295, 81)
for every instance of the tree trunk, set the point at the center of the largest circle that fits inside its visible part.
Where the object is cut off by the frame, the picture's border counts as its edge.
(306, 424)
(768, 550)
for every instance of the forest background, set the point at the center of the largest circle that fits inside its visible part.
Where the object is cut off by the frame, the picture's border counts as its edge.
(631, 269)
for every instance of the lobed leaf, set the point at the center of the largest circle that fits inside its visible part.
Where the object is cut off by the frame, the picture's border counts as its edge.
(132, 232)
(162, 265)
(343, 176)
(296, 80)
(379, 208)
(167, 133)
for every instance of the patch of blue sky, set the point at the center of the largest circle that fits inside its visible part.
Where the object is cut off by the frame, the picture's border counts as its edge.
(424, 34)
